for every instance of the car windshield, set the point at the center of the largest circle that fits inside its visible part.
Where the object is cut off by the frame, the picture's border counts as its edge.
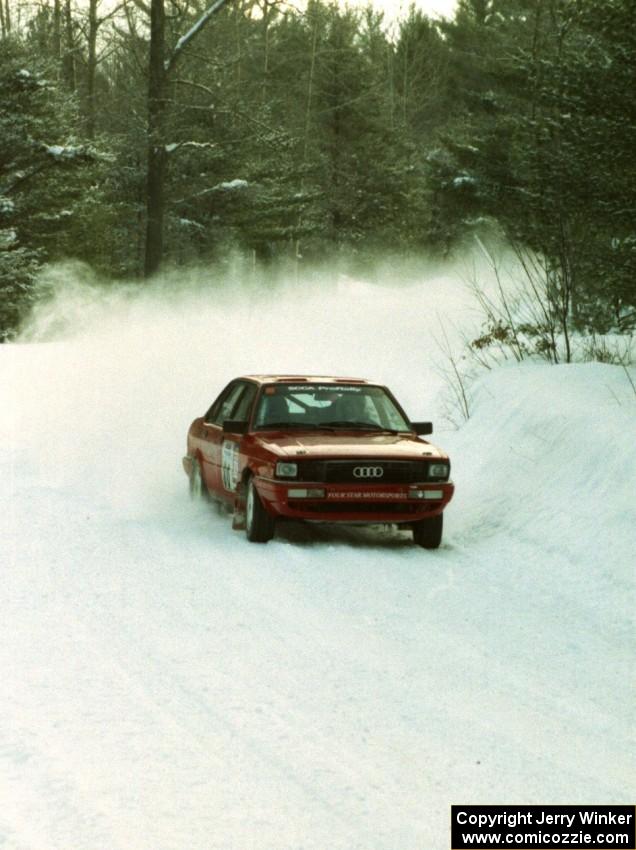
(329, 407)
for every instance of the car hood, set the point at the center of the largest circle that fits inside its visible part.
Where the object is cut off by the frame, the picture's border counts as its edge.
(388, 446)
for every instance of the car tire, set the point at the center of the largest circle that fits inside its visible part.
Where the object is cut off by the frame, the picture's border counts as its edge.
(428, 532)
(198, 490)
(259, 525)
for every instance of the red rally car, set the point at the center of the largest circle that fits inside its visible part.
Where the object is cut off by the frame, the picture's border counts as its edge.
(320, 449)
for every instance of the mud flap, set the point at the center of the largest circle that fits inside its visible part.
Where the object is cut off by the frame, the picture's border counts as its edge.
(238, 517)
(187, 464)
(238, 520)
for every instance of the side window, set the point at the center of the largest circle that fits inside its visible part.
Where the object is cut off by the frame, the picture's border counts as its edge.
(227, 405)
(218, 412)
(244, 405)
(209, 416)
(216, 404)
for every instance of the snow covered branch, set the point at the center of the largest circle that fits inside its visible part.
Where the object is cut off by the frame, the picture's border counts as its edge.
(191, 33)
(227, 186)
(174, 147)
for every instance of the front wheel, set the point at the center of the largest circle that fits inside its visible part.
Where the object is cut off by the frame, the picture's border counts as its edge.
(259, 525)
(428, 532)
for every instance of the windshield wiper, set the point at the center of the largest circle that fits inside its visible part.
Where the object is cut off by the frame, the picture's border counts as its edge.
(357, 426)
(283, 426)
(335, 425)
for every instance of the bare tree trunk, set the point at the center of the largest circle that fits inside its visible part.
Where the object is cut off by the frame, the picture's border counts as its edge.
(155, 199)
(405, 87)
(389, 67)
(310, 89)
(57, 30)
(91, 68)
(239, 52)
(160, 68)
(6, 20)
(266, 7)
(68, 59)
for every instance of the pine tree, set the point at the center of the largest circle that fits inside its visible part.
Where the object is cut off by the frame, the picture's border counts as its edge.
(45, 174)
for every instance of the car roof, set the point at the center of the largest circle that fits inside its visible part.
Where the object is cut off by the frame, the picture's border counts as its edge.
(301, 379)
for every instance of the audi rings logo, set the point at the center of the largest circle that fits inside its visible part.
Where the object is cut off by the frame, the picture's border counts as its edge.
(368, 472)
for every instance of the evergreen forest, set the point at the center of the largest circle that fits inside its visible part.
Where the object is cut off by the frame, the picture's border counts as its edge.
(143, 135)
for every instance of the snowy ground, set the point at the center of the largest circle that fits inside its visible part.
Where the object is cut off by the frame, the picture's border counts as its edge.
(168, 686)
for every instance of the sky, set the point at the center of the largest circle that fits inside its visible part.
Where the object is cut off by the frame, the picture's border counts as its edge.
(393, 9)
(434, 8)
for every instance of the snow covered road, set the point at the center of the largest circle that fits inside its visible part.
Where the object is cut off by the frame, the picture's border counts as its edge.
(166, 685)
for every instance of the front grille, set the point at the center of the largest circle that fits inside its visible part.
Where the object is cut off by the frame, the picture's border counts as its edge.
(341, 471)
(359, 507)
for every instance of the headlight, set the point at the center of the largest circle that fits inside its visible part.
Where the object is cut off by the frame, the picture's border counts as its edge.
(306, 493)
(425, 494)
(438, 470)
(286, 470)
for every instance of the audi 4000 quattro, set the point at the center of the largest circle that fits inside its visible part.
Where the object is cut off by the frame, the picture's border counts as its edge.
(321, 449)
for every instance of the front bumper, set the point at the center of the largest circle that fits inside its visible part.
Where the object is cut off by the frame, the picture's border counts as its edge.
(372, 503)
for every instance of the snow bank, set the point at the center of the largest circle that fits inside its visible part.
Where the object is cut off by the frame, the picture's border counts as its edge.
(550, 453)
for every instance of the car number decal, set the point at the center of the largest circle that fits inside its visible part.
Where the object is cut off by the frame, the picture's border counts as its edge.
(230, 464)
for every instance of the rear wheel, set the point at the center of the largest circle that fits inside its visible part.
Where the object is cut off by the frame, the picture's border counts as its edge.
(428, 532)
(259, 525)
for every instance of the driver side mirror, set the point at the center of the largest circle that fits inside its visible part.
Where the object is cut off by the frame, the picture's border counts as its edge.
(234, 426)
(422, 428)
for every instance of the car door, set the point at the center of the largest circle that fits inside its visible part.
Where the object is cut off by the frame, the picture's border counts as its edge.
(232, 456)
(221, 451)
